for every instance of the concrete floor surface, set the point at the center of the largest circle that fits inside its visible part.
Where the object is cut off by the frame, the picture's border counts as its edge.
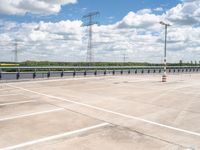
(101, 113)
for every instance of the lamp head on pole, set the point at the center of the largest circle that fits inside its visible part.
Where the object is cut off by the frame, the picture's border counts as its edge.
(163, 23)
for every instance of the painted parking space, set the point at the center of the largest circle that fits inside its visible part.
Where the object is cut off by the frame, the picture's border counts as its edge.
(165, 114)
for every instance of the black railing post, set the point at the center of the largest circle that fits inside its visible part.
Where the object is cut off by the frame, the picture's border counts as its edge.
(85, 73)
(95, 72)
(62, 74)
(105, 72)
(34, 75)
(74, 73)
(48, 74)
(17, 75)
(135, 71)
(113, 72)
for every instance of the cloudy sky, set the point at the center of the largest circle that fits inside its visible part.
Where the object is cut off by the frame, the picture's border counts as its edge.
(53, 30)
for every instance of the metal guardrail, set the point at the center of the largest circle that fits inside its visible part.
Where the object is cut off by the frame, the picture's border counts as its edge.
(91, 67)
(95, 70)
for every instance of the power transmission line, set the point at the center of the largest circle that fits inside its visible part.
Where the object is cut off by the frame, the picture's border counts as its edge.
(16, 51)
(125, 56)
(90, 23)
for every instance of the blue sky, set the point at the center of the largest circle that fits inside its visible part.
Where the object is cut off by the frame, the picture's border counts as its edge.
(52, 30)
(111, 10)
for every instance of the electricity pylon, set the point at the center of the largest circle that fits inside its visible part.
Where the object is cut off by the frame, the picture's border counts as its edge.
(90, 23)
(16, 52)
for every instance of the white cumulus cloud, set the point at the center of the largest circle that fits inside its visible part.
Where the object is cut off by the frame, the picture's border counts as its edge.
(138, 35)
(42, 7)
(186, 13)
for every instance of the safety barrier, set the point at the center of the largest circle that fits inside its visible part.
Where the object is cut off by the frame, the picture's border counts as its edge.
(88, 72)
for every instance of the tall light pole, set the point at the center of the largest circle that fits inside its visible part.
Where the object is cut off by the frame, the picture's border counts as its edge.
(164, 77)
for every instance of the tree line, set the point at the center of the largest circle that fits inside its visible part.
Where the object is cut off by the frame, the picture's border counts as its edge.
(50, 63)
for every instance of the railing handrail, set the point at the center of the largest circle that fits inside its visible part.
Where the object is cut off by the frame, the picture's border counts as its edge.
(91, 67)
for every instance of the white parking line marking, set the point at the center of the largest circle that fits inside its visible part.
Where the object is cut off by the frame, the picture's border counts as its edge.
(55, 137)
(112, 112)
(30, 114)
(20, 102)
(4, 95)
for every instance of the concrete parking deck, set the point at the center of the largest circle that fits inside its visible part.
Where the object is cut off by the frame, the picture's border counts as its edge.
(101, 113)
